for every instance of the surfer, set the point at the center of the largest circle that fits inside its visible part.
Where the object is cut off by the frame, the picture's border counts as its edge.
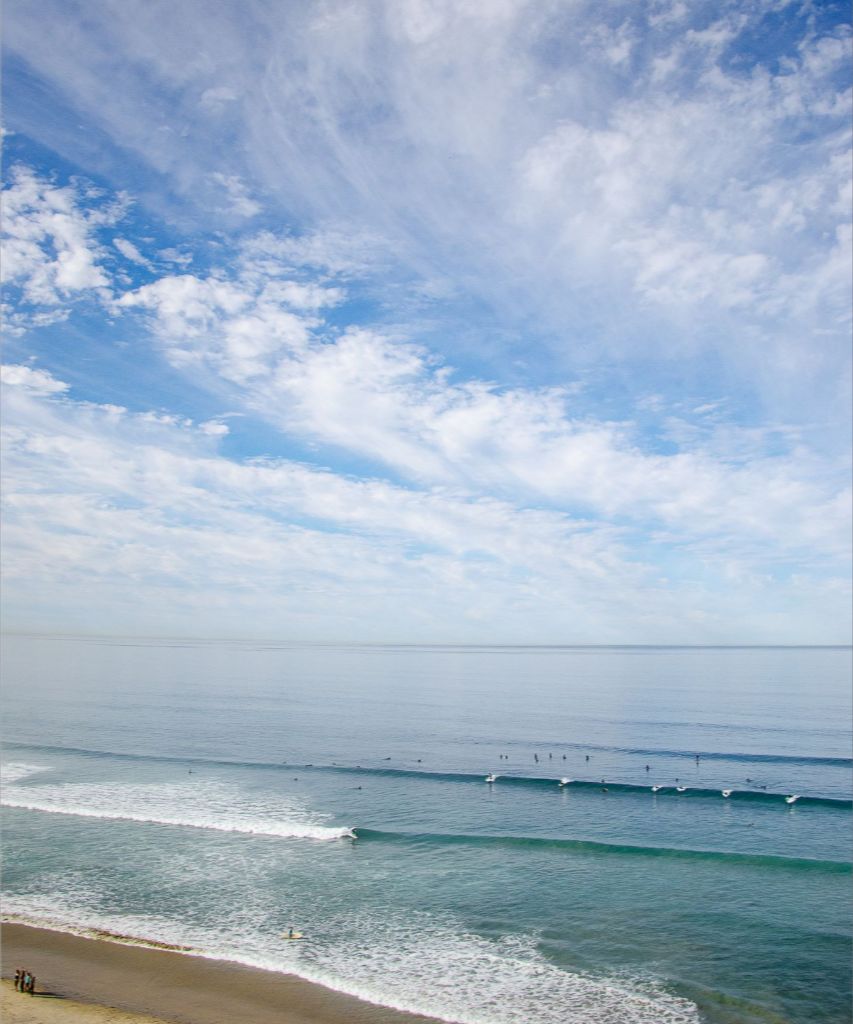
(587, 757)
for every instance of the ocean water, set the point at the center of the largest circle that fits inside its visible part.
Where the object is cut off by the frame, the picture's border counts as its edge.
(213, 795)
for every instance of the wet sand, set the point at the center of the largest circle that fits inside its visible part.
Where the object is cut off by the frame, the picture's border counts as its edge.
(92, 981)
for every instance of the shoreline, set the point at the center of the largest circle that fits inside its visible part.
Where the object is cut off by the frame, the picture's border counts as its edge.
(82, 980)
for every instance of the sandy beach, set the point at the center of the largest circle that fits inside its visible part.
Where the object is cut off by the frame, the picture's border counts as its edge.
(92, 981)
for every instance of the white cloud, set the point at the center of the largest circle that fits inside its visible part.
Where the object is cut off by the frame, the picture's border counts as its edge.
(49, 248)
(390, 401)
(648, 191)
(102, 504)
(38, 382)
(547, 183)
(213, 428)
(215, 98)
(173, 255)
(130, 252)
(239, 200)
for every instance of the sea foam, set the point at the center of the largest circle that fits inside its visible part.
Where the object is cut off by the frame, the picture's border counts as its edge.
(202, 804)
(419, 963)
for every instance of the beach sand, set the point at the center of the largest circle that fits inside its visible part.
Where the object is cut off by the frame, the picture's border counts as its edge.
(92, 981)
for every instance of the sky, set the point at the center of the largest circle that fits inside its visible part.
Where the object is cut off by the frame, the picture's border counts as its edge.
(428, 321)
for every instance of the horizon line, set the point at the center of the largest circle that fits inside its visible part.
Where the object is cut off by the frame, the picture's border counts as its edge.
(461, 644)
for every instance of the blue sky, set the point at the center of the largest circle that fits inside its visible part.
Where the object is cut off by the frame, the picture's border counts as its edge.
(428, 321)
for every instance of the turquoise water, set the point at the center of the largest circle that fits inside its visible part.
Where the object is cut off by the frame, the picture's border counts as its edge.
(203, 794)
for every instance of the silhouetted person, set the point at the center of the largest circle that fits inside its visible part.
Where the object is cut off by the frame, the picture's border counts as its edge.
(18, 974)
(31, 988)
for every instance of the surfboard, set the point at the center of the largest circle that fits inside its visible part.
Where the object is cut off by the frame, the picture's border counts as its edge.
(295, 935)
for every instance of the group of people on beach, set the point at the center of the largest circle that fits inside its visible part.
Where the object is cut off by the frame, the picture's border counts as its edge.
(25, 982)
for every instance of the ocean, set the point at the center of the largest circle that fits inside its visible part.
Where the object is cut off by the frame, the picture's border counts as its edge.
(214, 795)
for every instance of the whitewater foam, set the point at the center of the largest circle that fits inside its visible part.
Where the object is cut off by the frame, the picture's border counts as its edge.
(205, 804)
(15, 771)
(418, 964)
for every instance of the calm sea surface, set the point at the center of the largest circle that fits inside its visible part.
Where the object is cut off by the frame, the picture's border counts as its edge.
(204, 794)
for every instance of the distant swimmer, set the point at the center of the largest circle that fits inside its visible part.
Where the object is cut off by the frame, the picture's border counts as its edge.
(419, 761)
(564, 757)
(491, 778)
(587, 757)
(697, 759)
(726, 793)
(536, 758)
(386, 758)
(647, 767)
(792, 799)
(550, 757)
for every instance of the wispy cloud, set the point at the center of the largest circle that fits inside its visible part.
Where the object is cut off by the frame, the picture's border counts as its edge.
(530, 313)
(390, 400)
(102, 496)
